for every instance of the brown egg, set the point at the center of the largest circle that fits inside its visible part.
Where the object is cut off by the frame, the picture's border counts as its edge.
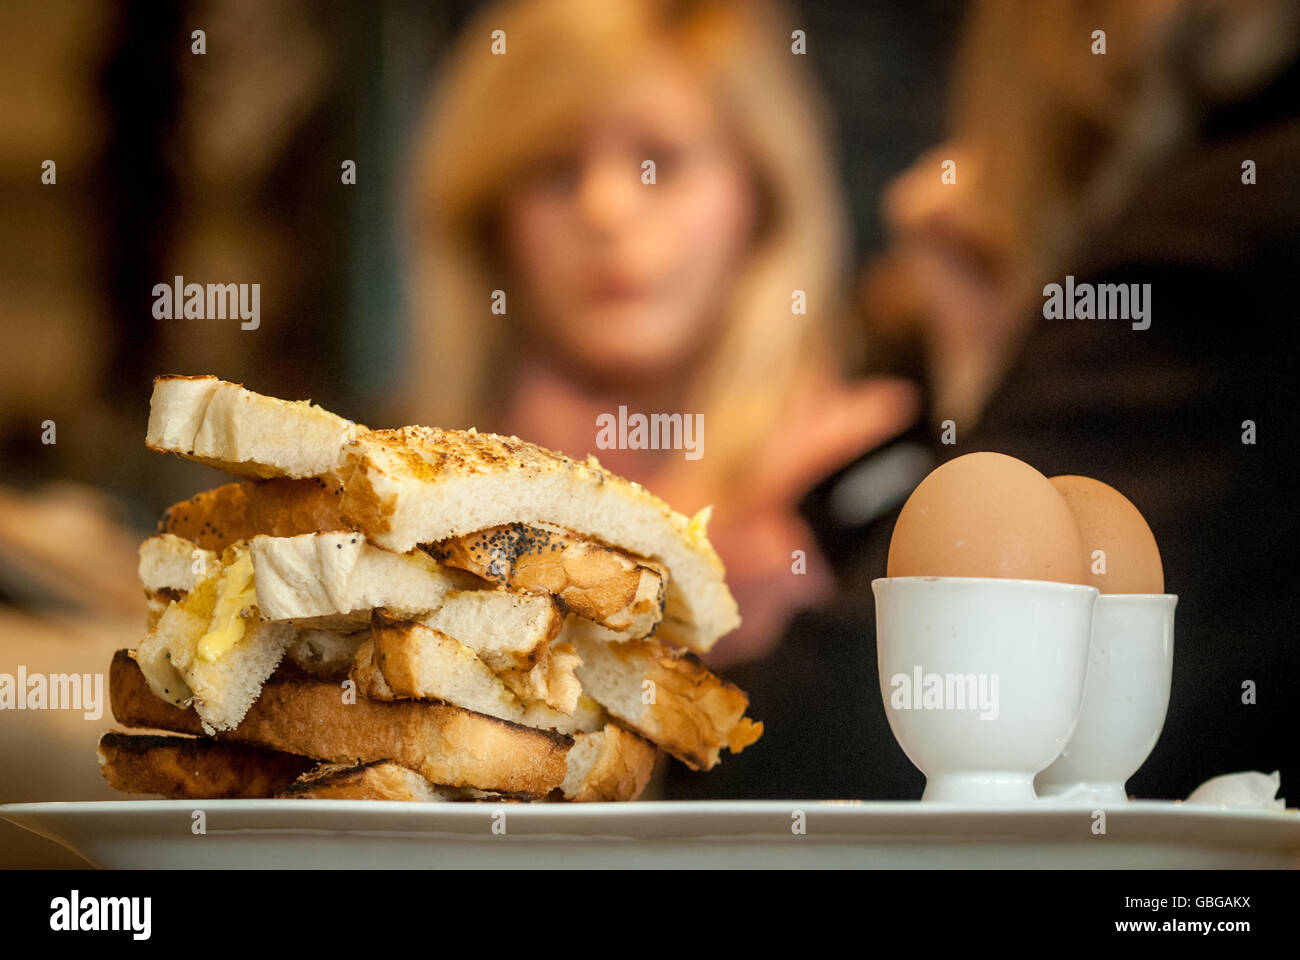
(1119, 550)
(987, 515)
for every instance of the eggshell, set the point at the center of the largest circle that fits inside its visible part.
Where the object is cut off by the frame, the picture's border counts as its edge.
(987, 515)
(1109, 522)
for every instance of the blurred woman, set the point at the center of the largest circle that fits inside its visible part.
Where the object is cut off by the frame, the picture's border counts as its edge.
(559, 277)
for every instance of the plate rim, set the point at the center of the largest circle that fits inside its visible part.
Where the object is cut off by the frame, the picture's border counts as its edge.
(617, 811)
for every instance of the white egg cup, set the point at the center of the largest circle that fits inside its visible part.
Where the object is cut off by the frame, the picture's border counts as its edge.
(1124, 701)
(982, 679)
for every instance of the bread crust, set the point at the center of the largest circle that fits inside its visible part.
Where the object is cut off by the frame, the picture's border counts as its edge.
(595, 581)
(216, 518)
(619, 771)
(692, 712)
(222, 425)
(185, 768)
(408, 660)
(552, 680)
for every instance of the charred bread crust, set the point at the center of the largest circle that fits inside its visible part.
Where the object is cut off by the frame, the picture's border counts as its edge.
(134, 704)
(184, 768)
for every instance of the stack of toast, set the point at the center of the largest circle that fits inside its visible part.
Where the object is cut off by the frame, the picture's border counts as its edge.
(412, 614)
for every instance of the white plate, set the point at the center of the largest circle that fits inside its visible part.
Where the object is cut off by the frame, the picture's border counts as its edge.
(368, 834)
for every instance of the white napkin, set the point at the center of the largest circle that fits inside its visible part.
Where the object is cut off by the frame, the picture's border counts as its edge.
(1248, 789)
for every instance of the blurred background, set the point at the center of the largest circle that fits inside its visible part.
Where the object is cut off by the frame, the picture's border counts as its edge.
(918, 170)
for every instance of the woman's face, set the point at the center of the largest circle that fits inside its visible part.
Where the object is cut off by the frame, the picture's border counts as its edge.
(626, 278)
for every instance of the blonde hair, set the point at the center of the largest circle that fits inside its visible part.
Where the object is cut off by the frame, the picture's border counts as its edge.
(495, 113)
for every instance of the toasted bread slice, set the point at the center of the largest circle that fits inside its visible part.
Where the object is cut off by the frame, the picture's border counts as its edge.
(221, 683)
(172, 563)
(667, 696)
(509, 631)
(404, 659)
(409, 660)
(609, 764)
(384, 780)
(189, 768)
(334, 580)
(552, 680)
(444, 744)
(224, 515)
(223, 425)
(424, 485)
(135, 704)
(595, 581)
(169, 568)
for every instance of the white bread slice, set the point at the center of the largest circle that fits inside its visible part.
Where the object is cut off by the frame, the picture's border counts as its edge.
(382, 780)
(608, 764)
(220, 690)
(334, 580)
(667, 696)
(424, 485)
(595, 581)
(417, 662)
(169, 562)
(552, 680)
(444, 744)
(509, 631)
(408, 660)
(223, 425)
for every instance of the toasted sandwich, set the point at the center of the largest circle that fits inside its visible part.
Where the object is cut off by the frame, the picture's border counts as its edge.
(412, 614)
